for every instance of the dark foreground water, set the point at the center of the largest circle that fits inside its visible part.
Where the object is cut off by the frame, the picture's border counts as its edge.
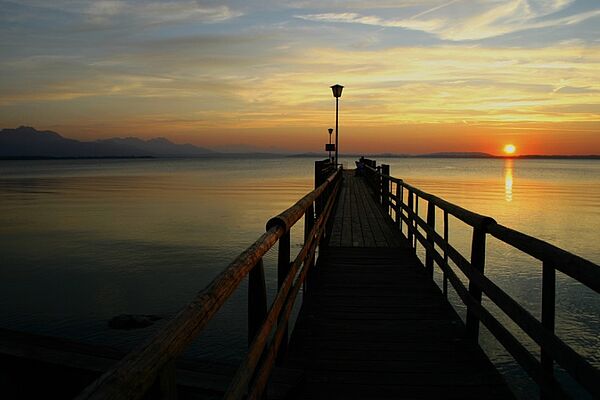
(84, 240)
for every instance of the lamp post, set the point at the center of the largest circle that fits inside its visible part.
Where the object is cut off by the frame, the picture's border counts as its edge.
(330, 130)
(337, 93)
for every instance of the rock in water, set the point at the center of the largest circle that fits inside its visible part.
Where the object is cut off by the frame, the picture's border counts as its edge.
(132, 321)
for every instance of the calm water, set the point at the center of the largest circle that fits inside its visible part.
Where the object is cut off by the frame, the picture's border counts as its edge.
(82, 241)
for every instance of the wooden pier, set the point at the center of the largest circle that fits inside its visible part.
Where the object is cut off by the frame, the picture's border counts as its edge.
(373, 323)
(375, 326)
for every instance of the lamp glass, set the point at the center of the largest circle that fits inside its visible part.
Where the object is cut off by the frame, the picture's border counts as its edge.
(337, 90)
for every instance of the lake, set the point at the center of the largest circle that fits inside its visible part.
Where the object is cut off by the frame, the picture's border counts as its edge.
(84, 240)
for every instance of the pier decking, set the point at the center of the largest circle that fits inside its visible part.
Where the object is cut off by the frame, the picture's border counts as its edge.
(375, 325)
(358, 221)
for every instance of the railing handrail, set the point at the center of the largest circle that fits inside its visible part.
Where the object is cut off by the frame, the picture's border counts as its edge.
(578, 268)
(553, 258)
(568, 263)
(135, 374)
(283, 302)
(467, 216)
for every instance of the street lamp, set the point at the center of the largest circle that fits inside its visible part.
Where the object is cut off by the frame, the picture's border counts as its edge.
(337, 93)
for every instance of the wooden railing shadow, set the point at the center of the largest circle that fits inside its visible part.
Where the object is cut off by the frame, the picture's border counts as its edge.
(149, 370)
(401, 201)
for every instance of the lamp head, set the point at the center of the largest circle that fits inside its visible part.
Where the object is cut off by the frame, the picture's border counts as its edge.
(337, 90)
(330, 130)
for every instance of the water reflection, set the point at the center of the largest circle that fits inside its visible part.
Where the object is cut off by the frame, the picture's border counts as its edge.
(508, 179)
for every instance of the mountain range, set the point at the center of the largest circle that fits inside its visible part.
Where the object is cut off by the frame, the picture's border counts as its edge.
(26, 141)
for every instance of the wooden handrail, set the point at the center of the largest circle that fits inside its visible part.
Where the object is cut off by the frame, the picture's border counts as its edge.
(553, 258)
(136, 373)
(283, 301)
(256, 389)
(572, 265)
(467, 216)
(527, 322)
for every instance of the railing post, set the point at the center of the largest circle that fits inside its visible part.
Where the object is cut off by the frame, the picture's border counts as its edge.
(478, 263)
(445, 277)
(329, 224)
(373, 175)
(410, 217)
(257, 299)
(548, 317)
(309, 222)
(319, 179)
(429, 252)
(399, 202)
(283, 268)
(415, 224)
(385, 188)
(378, 184)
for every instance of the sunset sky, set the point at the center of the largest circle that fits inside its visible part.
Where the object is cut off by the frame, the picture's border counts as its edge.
(420, 75)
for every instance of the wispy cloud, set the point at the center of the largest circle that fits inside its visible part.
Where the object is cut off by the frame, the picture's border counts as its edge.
(482, 19)
(160, 12)
(440, 84)
(112, 12)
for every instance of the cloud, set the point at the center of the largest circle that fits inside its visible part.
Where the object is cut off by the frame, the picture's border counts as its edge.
(460, 20)
(135, 12)
(442, 84)
(574, 90)
(353, 4)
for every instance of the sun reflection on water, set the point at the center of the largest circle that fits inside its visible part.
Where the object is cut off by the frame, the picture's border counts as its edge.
(508, 179)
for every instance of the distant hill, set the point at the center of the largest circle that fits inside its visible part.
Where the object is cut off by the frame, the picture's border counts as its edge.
(158, 146)
(28, 142)
(248, 149)
(467, 154)
(561, 157)
(404, 155)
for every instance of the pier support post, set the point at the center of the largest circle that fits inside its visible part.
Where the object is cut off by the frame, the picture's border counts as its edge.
(478, 263)
(257, 299)
(429, 251)
(283, 268)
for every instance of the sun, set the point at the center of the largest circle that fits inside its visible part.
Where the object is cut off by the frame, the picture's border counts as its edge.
(509, 149)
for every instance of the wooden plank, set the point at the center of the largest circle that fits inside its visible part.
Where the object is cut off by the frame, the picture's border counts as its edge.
(358, 220)
(357, 226)
(336, 234)
(377, 327)
(346, 217)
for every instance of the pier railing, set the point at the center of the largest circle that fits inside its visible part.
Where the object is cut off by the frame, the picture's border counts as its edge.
(150, 369)
(392, 193)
